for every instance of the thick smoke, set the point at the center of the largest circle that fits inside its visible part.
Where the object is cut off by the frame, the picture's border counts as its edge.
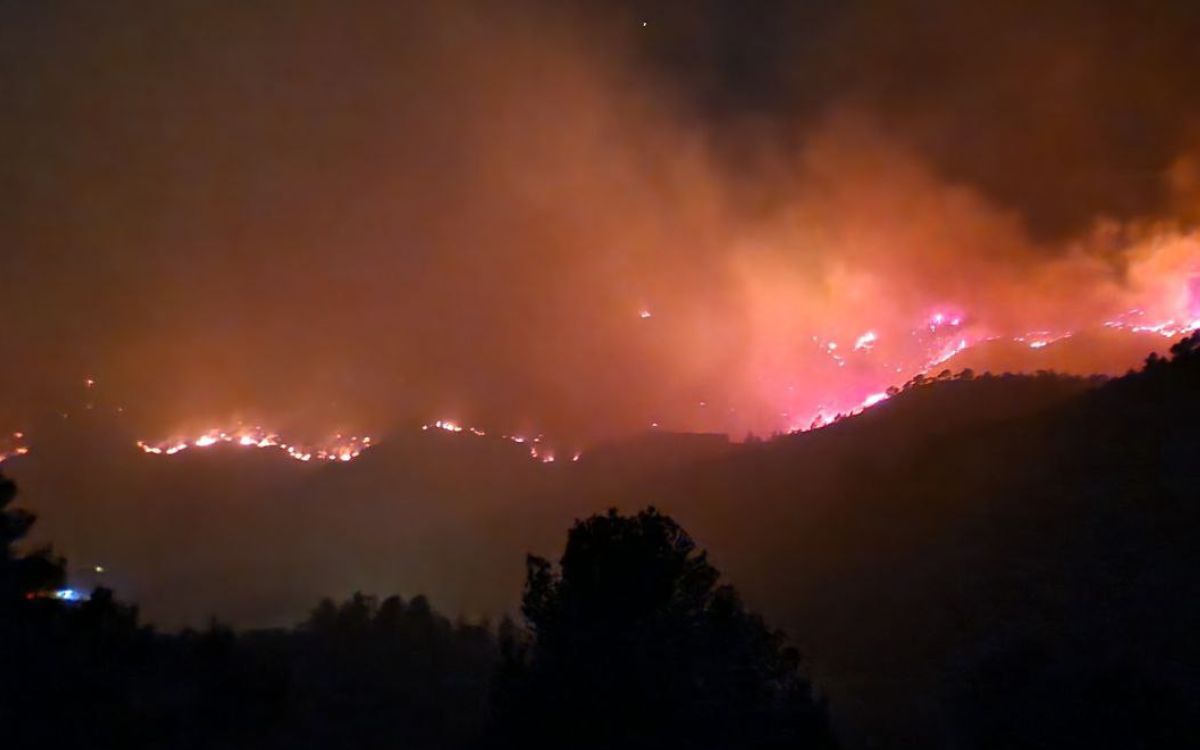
(345, 216)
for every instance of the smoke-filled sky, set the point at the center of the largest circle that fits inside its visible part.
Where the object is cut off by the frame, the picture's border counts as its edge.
(577, 217)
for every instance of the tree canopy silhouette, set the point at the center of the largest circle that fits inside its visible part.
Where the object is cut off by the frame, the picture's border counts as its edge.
(634, 644)
(21, 575)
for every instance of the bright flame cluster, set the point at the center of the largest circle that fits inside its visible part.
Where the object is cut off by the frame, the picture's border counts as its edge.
(1134, 321)
(945, 334)
(14, 446)
(339, 448)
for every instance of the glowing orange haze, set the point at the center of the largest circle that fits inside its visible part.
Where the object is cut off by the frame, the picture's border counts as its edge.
(501, 219)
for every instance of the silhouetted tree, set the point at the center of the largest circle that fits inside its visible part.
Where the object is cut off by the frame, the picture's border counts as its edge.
(22, 575)
(635, 645)
(390, 616)
(323, 618)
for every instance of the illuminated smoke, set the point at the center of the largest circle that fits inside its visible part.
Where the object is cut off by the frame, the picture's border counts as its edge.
(509, 214)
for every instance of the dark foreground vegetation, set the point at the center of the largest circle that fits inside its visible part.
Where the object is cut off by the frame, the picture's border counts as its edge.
(632, 644)
(982, 562)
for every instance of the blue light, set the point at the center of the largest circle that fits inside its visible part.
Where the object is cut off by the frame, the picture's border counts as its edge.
(68, 595)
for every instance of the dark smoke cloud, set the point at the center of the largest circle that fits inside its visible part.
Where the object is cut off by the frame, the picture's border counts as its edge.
(1061, 110)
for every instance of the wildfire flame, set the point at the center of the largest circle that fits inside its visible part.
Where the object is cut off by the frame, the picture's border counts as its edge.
(13, 446)
(537, 452)
(944, 335)
(339, 448)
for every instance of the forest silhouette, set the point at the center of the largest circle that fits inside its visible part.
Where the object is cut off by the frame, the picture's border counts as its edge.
(633, 645)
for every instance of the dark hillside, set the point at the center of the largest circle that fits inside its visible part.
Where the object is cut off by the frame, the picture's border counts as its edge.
(987, 562)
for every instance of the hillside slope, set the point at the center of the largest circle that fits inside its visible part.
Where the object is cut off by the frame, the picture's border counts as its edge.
(988, 562)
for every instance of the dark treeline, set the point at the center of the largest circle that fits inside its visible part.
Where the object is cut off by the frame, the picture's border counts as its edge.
(632, 644)
(359, 674)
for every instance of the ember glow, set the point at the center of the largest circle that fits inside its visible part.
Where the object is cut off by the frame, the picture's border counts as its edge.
(865, 341)
(1135, 321)
(13, 445)
(340, 448)
(945, 336)
(538, 450)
